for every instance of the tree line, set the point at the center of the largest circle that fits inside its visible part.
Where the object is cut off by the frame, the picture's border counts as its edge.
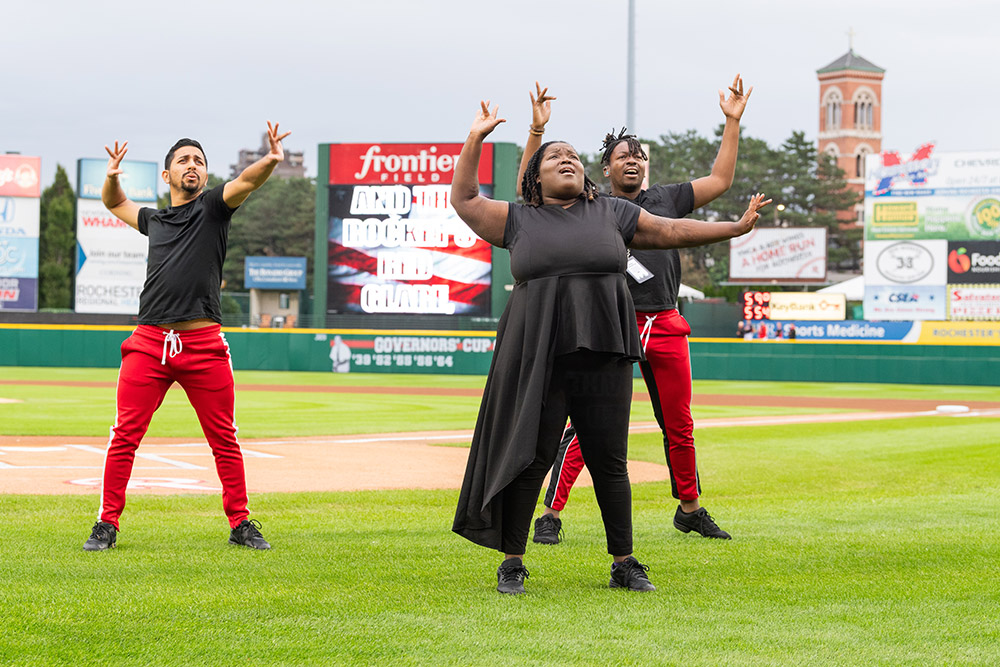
(279, 219)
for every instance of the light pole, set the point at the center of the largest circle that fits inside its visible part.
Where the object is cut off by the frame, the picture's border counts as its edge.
(779, 207)
(630, 83)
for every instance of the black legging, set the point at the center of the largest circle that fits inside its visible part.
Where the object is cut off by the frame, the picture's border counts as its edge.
(595, 391)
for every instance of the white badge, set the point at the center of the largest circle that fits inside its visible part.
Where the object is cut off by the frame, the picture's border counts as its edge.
(639, 273)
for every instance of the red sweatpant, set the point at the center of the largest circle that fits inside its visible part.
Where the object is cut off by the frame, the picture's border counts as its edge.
(667, 372)
(152, 360)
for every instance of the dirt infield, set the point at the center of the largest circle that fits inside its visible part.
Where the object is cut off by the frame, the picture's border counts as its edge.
(424, 460)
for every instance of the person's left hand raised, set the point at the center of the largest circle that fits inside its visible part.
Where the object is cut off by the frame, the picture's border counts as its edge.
(736, 103)
(485, 122)
(751, 215)
(274, 139)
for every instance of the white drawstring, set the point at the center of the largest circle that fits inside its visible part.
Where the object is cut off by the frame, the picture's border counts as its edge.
(647, 331)
(174, 340)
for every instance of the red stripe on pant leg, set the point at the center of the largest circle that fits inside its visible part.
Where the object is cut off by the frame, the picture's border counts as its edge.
(204, 370)
(570, 470)
(668, 359)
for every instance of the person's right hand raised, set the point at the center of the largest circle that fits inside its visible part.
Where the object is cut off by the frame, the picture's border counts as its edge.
(117, 155)
(541, 107)
(485, 121)
(750, 216)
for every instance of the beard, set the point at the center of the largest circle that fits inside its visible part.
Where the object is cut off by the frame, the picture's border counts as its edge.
(190, 187)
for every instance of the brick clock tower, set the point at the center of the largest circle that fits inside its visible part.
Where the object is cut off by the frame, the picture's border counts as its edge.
(850, 119)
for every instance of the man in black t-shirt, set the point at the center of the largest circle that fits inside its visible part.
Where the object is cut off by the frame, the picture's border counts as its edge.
(654, 279)
(179, 337)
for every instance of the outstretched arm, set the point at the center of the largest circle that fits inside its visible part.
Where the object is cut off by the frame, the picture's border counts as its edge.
(236, 191)
(709, 187)
(486, 217)
(541, 110)
(112, 195)
(654, 232)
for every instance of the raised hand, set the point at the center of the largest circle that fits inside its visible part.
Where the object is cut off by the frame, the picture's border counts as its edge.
(277, 152)
(485, 122)
(117, 155)
(736, 103)
(541, 107)
(751, 215)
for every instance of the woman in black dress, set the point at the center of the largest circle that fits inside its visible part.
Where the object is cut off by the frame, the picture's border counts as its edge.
(565, 346)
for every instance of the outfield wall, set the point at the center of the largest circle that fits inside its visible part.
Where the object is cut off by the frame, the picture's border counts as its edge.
(470, 353)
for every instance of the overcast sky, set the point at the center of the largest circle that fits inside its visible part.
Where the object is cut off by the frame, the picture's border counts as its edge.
(77, 75)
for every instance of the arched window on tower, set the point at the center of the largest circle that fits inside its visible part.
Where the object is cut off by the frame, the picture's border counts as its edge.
(832, 103)
(864, 104)
(859, 159)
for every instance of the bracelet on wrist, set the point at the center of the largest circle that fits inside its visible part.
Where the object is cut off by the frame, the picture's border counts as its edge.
(534, 131)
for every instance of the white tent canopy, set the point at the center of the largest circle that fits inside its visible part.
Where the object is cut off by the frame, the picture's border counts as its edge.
(686, 292)
(853, 289)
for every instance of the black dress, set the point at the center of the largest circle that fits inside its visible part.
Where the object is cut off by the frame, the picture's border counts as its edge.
(570, 294)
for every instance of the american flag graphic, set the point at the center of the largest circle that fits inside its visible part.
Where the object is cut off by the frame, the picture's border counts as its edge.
(425, 260)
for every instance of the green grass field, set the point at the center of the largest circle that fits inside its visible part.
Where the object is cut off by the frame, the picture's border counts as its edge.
(868, 543)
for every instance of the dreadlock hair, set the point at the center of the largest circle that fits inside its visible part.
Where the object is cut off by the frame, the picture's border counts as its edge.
(611, 140)
(531, 187)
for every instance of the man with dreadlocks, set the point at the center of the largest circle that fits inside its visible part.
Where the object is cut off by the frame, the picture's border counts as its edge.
(564, 347)
(654, 278)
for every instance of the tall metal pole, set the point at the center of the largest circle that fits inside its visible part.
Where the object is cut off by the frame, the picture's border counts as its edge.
(630, 90)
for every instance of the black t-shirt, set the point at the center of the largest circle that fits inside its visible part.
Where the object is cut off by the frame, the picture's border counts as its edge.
(660, 292)
(187, 247)
(587, 237)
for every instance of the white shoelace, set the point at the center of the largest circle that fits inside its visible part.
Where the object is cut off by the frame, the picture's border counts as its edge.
(173, 339)
(647, 331)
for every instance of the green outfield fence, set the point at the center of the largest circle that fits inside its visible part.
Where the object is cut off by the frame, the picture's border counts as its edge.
(469, 352)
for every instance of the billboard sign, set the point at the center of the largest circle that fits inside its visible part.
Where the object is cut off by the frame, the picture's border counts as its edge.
(794, 306)
(19, 216)
(20, 176)
(19, 294)
(110, 262)
(407, 164)
(395, 244)
(275, 273)
(905, 263)
(972, 262)
(905, 302)
(138, 180)
(18, 257)
(928, 195)
(796, 254)
(974, 302)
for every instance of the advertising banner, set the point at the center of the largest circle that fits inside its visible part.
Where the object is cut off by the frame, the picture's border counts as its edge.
(974, 302)
(898, 302)
(401, 248)
(905, 263)
(973, 262)
(808, 306)
(110, 263)
(288, 273)
(796, 254)
(19, 217)
(139, 179)
(18, 257)
(958, 333)
(928, 195)
(19, 294)
(20, 176)
(853, 330)
(408, 164)
(445, 352)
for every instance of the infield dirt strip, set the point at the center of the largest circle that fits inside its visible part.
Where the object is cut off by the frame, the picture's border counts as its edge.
(424, 460)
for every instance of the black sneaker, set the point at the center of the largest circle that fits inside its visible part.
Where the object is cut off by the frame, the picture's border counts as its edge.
(102, 536)
(700, 521)
(511, 575)
(547, 529)
(247, 534)
(631, 574)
